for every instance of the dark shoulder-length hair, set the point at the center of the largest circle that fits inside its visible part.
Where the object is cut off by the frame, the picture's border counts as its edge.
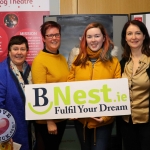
(107, 45)
(146, 42)
(49, 24)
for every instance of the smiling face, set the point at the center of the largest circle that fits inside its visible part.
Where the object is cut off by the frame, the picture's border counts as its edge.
(94, 39)
(52, 40)
(134, 37)
(18, 54)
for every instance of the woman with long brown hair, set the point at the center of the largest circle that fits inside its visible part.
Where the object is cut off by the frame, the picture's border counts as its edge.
(135, 66)
(96, 61)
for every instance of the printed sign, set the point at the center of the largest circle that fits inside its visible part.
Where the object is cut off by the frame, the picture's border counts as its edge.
(138, 17)
(22, 17)
(7, 125)
(77, 99)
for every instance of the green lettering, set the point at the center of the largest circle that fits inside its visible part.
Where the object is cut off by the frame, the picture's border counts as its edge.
(79, 94)
(59, 94)
(105, 91)
(118, 96)
(124, 97)
(92, 94)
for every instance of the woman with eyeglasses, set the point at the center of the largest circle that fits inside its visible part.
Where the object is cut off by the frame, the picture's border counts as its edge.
(49, 67)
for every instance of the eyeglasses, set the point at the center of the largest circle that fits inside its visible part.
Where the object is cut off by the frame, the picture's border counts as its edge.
(50, 36)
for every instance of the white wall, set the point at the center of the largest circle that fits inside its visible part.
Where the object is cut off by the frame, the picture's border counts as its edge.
(54, 7)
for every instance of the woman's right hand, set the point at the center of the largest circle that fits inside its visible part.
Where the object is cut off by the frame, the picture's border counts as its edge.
(52, 127)
(98, 119)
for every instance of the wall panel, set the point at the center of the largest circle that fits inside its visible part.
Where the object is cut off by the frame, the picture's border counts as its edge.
(112, 6)
(103, 6)
(68, 7)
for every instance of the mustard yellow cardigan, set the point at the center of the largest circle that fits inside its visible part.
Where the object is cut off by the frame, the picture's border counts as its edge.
(98, 70)
(49, 68)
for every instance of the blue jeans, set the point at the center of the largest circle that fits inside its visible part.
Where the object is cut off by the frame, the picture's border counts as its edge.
(103, 135)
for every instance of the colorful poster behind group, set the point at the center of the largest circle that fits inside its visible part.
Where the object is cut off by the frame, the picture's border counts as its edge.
(22, 17)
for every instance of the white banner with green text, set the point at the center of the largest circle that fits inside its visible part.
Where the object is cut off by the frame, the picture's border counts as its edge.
(78, 99)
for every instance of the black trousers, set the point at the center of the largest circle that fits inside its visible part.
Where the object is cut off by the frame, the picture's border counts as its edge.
(135, 136)
(46, 141)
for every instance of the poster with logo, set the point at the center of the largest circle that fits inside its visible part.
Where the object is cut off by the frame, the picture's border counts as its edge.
(77, 99)
(7, 125)
(22, 17)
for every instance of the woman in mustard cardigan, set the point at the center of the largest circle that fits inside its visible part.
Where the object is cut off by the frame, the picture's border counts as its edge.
(49, 67)
(95, 61)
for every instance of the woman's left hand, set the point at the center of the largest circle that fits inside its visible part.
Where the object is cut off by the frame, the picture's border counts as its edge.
(98, 119)
(52, 127)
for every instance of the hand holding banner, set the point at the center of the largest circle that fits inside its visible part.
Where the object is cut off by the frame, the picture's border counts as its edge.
(77, 99)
